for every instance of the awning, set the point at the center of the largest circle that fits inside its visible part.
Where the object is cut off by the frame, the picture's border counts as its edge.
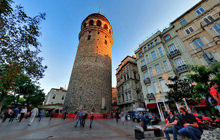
(202, 103)
(151, 106)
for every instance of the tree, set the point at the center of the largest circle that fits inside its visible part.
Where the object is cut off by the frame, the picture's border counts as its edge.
(179, 89)
(19, 46)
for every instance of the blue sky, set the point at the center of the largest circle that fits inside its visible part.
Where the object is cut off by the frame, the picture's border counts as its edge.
(132, 21)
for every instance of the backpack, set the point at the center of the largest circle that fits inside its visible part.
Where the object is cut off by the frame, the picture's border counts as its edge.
(210, 100)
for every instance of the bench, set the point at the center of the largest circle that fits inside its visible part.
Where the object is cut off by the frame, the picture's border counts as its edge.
(157, 131)
(139, 134)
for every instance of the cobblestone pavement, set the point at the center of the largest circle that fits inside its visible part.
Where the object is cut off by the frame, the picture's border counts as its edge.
(58, 129)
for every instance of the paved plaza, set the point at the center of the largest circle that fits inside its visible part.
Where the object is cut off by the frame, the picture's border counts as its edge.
(59, 129)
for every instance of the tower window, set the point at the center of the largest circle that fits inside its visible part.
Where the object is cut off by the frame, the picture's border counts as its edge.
(98, 23)
(98, 32)
(110, 31)
(106, 42)
(91, 22)
(106, 26)
(89, 37)
(84, 25)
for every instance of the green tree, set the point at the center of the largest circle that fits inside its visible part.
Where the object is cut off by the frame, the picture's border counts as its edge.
(19, 46)
(179, 89)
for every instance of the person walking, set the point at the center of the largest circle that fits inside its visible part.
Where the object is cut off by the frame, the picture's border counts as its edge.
(65, 114)
(42, 113)
(51, 113)
(15, 113)
(80, 113)
(122, 117)
(116, 116)
(23, 113)
(143, 122)
(6, 115)
(215, 94)
(91, 118)
(34, 113)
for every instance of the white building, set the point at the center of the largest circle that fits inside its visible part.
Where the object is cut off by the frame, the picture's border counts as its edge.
(55, 96)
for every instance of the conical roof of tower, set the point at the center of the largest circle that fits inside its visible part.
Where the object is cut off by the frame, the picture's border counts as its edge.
(96, 15)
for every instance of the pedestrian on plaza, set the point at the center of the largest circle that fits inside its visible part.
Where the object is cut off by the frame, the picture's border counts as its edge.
(80, 114)
(15, 113)
(191, 127)
(19, 114)
(6, 115)
(65, 114)
(75, 113)
(122, 117)
(143, 122)
(117, 115)
(112, 114)
(171, 126)
(215, 94)
(91, 118)
(51, 113)
(42, 113)
(23, 113)
(34, 113)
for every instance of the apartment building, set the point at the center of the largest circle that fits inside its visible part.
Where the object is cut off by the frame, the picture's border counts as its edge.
(199, 29)
(129, 91)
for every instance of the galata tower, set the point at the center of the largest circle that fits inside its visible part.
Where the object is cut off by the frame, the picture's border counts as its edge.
(90, 85)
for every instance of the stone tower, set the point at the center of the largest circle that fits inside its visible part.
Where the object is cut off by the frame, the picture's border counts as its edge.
(90, 85)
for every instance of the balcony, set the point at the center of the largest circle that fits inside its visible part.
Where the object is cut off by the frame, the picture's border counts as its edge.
(144, 67)
(147, 80)
(150, 96)
(174, 53)
(181, 69)
(209, 20)
(216, 38)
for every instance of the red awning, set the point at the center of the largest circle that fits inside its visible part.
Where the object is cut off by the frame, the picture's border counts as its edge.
(202, 103)
(151, 106)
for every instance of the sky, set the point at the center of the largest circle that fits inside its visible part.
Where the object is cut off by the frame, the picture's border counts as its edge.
(132, 21)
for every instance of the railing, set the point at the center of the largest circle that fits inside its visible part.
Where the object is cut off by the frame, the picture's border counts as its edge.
(181, 69)
(144, 67)
(174, 53)
(210, 20)
(147, 80)
(150, 96)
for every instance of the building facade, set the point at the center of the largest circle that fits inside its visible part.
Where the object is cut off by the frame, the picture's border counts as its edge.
(90, 85)
(114, 96)
(55, 96)
(129, 91)
(199, 29)
(159, 57)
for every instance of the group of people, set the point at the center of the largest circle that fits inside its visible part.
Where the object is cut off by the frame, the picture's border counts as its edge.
(82, 115)
(20, 113)
(182, 123)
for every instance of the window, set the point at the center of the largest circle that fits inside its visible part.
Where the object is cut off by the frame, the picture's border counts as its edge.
(146, 75)
(167, 37)
(189, 30)
(143, 63)
(149, 89)
(151, 71)
(155, 87)
(145, 49)
(158, 68)
(148, 59)
(153, 55)
(54, 96)
(198, 43)
(98, 23)
(152, 44)
(199, 11)
(166, 65)
(156, 41)
(89, 37)
(105, 42)
(208, 19)
(62, 97)
(171, 48)
(182, 22)
(209, 58)
(91, 22)
(149, 46)
(164, 87)
(106, 26)
(140, 54)
(179, 61)
(160, 51)
(217, 28)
